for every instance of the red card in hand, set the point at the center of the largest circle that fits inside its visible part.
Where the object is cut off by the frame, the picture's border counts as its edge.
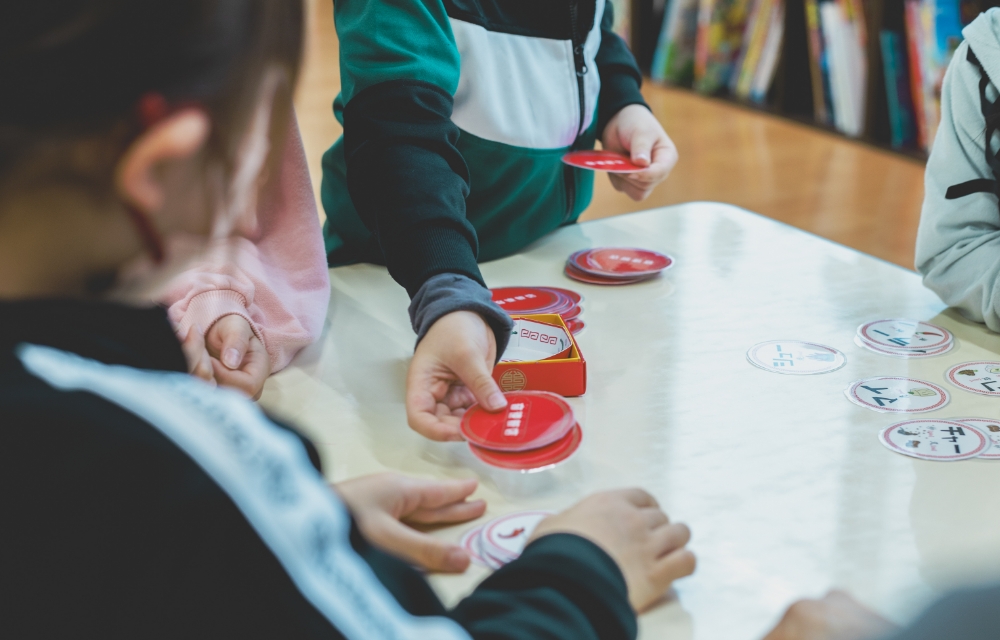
(610, 161)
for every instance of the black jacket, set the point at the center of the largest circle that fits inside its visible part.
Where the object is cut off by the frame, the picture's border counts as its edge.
(139, 502)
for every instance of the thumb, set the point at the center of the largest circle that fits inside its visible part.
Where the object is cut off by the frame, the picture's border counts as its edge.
(478, 377)
(420, 548)
(641, 148)
(234, 333)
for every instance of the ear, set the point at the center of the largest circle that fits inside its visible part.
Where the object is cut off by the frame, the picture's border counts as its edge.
(178, 136)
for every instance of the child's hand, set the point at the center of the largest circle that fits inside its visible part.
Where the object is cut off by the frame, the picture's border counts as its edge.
(199, 362)
(630, 527)
(452, 370)
(636, 132)
(837, 616)
(239, 360)
(386, 504)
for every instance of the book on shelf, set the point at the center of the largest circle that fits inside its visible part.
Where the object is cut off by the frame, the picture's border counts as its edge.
(673, 60)
(819, 74)
(844, 39)
(754, 70)
(768, 65)
(899, 100)
(869, 68)
(933, 31)
(721, 24)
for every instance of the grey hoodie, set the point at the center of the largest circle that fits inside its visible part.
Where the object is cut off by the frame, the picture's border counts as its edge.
(958, 244)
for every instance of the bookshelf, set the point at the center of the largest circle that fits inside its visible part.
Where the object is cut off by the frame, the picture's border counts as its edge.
(866, 69)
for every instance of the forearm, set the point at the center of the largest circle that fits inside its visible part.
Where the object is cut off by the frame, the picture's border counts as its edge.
(409, 182)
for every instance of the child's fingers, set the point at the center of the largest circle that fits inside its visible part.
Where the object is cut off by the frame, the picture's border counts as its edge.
(199, 362)
(453, 513)
(641, 147)
(420, 548)
(424, 417)
(629, 188)
(252, 374)
(229, 339)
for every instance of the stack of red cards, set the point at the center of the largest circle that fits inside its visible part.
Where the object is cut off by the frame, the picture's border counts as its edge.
(502, 540)
(523, 301)
(616, 265)
(536, 431)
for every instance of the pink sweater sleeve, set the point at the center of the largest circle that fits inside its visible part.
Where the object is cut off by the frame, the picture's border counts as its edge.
(278, 281)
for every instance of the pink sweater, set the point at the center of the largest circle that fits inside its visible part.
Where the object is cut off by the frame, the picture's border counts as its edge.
(277, 280)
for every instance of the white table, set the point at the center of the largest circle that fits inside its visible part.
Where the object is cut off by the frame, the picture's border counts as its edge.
(782, 480)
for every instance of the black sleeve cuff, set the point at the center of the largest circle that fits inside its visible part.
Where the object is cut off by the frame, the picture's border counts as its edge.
(618, 90)
(581, 571)
(620, 75)
(447, 292)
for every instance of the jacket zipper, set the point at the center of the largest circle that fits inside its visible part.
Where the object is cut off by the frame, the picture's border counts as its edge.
(569, 177)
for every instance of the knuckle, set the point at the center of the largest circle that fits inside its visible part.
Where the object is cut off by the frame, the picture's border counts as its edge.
(682, 532)
(803, 609)
(689, 562)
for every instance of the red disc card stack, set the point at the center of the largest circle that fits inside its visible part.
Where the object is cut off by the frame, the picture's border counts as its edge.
(532, 300)
(536, 431)
(616, 265)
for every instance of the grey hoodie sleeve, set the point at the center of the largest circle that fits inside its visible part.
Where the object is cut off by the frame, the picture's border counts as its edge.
(449, 292)
(958, 243)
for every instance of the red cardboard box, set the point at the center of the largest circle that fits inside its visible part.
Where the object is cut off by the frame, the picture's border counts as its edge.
(567, 376)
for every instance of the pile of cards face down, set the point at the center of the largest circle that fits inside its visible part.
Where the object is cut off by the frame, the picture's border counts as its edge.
(536, 431)
(520, 301)
(502, 540)
(616, 265)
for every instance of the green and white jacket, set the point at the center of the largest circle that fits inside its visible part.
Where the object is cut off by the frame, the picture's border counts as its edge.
(456, 114)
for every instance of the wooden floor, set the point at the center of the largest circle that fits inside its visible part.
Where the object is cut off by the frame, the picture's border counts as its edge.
(859, 196)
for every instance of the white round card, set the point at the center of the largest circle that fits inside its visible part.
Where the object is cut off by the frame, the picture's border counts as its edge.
(991, 428)
(505, 537)
(470, 542)
(903, 353)
(976, 377)
(897, 395)
(935, 440)
(793, 357)
(905, 334)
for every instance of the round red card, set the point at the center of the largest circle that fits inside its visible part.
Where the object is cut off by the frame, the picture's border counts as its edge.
(534, 459)
(526, 299)
(621, 262)
(610, 161)
(582, 276)
(571, 314)
(532, 419)
(569, 293)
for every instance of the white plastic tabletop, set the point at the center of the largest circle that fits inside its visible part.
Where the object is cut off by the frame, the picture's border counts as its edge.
(782, 480)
